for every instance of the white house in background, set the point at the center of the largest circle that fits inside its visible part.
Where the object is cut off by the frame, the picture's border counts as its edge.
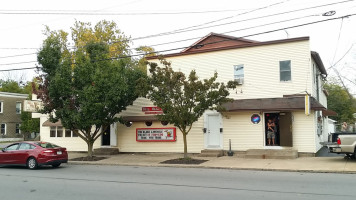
(57, 134)
(274, 78)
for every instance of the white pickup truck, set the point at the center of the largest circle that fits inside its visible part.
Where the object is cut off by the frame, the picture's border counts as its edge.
(343, 143)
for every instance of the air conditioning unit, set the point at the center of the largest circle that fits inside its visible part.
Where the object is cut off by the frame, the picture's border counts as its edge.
(239, 81)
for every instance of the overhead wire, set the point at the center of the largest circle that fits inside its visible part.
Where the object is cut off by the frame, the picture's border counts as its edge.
(209, 43)
(182, 30)
(88, 12)
(261, 17)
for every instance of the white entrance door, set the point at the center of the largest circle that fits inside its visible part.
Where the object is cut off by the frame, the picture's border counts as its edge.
(213, 132)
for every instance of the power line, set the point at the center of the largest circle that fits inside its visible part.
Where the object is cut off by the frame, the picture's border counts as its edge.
(18, 55)
(93, 12)
(18, 63)
(7, 70)
(261, 17)
(174, 49)
(182, 29)
(206, 23)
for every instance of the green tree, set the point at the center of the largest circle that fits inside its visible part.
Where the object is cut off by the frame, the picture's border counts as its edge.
(184, 99)
(340, 102)
(85, 88)
(15, 87)
(29, 125)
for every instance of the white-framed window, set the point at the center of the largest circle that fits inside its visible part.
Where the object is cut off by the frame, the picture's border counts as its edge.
(17, 129)
(3, 129)
(239, 72)
(69, 133)
(18, 107)
(285, 70)
(56, 131)
(60, 131)
(1, 106)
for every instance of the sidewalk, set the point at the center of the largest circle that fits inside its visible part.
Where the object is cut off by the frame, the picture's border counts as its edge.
(302, 164)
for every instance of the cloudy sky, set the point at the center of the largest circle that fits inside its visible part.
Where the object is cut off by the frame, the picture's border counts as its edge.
(173, 24)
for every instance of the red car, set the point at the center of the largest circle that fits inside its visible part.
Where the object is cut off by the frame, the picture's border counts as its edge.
(33, 154)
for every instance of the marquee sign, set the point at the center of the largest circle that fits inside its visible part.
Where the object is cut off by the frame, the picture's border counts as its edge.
(152, 110)
(156, 135)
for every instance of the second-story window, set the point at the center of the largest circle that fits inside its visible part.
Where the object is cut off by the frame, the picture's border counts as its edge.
(239, 73)
(18, 107)
(285, 70)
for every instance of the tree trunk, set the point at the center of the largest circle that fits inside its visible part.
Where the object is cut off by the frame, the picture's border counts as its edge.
(185, 145)
(90, 148)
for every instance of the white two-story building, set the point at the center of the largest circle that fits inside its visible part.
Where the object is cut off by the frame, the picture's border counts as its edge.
(280, 80)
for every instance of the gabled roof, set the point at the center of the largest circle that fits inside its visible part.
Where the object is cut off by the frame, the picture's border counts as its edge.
(217, 42)
(235, 43)
(214, 40)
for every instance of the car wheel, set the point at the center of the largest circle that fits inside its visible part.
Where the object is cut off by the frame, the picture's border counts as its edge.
(32, 163)
(56, 165)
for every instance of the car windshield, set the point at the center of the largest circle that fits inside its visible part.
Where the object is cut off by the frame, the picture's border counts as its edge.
(47, 145)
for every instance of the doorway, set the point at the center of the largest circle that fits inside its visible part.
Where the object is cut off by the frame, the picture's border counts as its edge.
(213, 136)
(285, 121)
(283, 128)
(274, 119)
(105, 141)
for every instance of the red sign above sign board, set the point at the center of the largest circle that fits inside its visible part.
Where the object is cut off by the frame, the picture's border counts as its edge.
(152, 110)
(156, 134)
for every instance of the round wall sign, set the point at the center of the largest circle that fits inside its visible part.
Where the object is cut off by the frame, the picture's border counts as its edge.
(255, 118)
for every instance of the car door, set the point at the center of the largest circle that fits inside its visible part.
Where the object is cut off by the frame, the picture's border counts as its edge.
(23, 152)
(9, 156)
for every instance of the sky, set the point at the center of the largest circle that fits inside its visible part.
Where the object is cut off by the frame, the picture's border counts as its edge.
(169, 21)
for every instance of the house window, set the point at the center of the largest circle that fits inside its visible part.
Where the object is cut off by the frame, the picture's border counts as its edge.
(17, 130)
(52, 132)
(239, 73)
(18, 107)
(1, 106)
(3, 129)
(285, 70)
(68, 133)
(56, 131)
(74, 134)
(60, 131)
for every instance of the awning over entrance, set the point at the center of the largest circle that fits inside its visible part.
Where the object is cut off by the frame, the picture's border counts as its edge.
(49, 123)
(272, 104)
(327, 112)
(139, 118)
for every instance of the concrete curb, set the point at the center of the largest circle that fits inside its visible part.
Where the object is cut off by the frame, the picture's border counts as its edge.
(210, 167)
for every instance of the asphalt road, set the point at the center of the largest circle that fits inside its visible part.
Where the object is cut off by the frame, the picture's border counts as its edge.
(124, 182)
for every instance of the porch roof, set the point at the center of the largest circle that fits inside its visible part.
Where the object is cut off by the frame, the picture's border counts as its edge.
(287, 103)
(49, 123)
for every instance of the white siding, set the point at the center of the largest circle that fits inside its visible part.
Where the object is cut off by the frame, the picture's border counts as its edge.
(261, 68)
(71, 143)
(243, 134)
(304, 132)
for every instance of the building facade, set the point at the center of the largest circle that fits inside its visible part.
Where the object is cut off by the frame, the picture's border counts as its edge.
(279, 81)
(10, 115)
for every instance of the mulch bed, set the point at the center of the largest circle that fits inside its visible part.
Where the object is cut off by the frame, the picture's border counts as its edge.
(87, 158)
(189, 161)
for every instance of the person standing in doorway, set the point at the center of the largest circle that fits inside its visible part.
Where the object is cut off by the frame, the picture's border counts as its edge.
(271, 135)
